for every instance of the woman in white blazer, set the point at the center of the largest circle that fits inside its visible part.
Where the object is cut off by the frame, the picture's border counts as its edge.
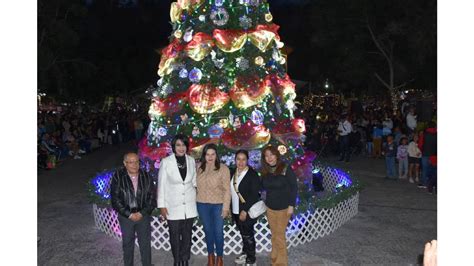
(177, 198)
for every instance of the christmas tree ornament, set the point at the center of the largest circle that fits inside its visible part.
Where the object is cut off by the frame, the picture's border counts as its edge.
(287, 129)
(248, 91)
(236, 123)
(245, 22)
(249, 136)
(218, 63)
(188, 36)
(161, 150)
(229, 41)
(282, 61)
(195, 132)
(242, 63)
(165, 90)
(162, 131)
(200, 46)
(257, 117)
(276, 54)
(279, 44)
(183, 73)
(254, 2)
(259, 61)
(224, 123)
(155, 93)
(202, 18)
(175, 12)
(206, 99)
(262, 38)
(219, 16)
(184, 118)
(159, 82)
(282, 88)
(231, 118)
(215, 131)
(195, 75)
(168, 57)
(255, 158)
(268, 17)
(169, 105)
(282, 149)
(244, 2)
(219, 3)
(178, 34)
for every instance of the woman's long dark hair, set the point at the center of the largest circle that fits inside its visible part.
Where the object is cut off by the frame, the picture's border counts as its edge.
(210, 146)
(266, 168)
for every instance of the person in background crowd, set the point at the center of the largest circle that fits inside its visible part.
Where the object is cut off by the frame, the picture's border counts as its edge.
(245, 189)
(397, 135)
(432, 174)
(390, 152)
(428, 149)
(377, 139)
(387, 125)
(414, 158)
(213, 201)
(369, 138)
(132, 197)
(279, 182)
(411, 121)
(402, 156)
(177, 198)
(344, 129)
(138, 126)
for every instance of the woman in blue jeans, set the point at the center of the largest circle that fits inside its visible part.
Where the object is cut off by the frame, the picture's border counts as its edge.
(213, 201)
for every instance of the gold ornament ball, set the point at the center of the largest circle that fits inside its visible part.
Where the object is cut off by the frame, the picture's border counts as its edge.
(224, 123)
(259, 60)
(268, 17)
(178, 34)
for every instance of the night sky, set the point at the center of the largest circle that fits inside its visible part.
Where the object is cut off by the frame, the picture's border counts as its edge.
(96, 48)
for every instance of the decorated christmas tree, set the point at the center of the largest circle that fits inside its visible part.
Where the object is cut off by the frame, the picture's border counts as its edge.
(223, 80)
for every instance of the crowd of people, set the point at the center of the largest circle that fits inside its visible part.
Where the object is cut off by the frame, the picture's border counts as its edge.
(78, 130)
(377, 132)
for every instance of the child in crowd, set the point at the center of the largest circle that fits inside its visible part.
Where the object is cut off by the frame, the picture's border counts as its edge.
(390, 152)
(402, 156)
(414, 158)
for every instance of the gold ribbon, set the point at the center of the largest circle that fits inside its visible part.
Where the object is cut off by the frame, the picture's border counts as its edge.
(200, 46)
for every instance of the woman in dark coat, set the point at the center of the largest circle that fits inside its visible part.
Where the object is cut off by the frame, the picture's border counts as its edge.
(245, 188)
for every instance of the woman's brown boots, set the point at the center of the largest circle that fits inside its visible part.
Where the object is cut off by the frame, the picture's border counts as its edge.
(211, 260)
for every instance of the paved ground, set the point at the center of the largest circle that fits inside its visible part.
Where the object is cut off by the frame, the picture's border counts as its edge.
(395, 219)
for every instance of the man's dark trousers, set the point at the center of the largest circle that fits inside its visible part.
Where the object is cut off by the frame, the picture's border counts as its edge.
(143, 230)
(345, 148)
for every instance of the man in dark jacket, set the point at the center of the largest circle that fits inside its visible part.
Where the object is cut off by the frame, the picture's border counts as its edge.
(132, 192)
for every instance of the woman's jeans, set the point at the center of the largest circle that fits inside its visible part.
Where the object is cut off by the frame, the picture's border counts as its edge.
(210, 215)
